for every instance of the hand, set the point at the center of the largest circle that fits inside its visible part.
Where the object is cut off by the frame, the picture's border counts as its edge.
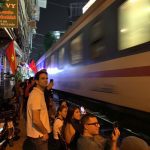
(115, 135)
(49, 86)
(45, 137)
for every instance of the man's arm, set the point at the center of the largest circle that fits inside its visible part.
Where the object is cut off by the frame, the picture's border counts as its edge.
(38, 124)
(49, 86)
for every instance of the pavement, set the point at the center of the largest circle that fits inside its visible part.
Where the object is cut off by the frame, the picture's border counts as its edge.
(19, 143)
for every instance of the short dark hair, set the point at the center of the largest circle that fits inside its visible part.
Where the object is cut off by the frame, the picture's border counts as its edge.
(30, 79)
(37, 75)
(85, 119)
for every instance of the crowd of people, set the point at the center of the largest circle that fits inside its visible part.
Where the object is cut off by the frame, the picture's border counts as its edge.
(64, 128)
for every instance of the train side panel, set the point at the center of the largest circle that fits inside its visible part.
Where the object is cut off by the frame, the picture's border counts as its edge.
(122, 81)
(105, 55)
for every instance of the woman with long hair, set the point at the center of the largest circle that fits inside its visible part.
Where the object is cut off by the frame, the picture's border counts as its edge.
(72, 127)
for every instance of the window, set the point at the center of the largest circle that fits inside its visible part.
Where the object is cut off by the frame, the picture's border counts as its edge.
(76, 49)
(48, 60)
(53, 61)
(96, 40)
(61, 57)
(134, 25)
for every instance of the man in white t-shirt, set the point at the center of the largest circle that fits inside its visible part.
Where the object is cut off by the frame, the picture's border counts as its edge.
(38, 126)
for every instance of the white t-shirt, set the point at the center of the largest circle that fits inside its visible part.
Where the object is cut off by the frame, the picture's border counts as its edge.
(36, 101)
(57, 128)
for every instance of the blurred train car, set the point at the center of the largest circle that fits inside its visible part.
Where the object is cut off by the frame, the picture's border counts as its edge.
(105, 55)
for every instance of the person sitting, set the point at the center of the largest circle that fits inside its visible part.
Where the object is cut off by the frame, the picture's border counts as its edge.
(90, 132)
(133, 143)
(55, 142)
(73, 127)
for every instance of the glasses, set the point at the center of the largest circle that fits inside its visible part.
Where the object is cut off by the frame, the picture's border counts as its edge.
(94, 123)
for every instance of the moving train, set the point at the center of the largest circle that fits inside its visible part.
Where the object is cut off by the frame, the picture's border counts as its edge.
(105, 55)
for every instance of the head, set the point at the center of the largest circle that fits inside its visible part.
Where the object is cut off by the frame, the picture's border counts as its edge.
(133, 142)
(22, 84)
(90, 125)
(18, 82)
(27, 81)
(74, 113)
(63, 103)
(41, 79)
(62, 112)
(31, 80)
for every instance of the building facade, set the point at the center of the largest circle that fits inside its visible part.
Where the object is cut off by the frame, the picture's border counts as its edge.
(28, 15)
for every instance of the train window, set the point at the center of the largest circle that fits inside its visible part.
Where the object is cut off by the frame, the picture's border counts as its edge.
(61, 55)
(96, 37)
(134, 27)
(48, 61)
(76, 49)
(53, 61)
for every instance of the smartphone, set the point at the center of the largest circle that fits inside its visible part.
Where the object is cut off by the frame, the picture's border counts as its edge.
(51, 80)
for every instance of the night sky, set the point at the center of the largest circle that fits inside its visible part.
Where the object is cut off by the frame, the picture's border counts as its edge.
(53, 18)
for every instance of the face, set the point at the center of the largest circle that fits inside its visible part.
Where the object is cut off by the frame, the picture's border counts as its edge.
(32, 82)
(63, 113)
(92, 126)
(43, 81)
(77, 114)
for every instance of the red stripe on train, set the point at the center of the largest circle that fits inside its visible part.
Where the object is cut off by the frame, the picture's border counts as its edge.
(127, 72)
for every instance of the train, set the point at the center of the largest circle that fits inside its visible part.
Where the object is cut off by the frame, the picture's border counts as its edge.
(105, 55)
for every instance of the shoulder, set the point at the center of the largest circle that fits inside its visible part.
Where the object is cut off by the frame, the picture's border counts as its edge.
(83, 139)
(87, 143)
(58, 121)
(36, 99)
(36, 94)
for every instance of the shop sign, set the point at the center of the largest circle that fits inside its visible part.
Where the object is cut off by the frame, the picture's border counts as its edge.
(8, 13)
